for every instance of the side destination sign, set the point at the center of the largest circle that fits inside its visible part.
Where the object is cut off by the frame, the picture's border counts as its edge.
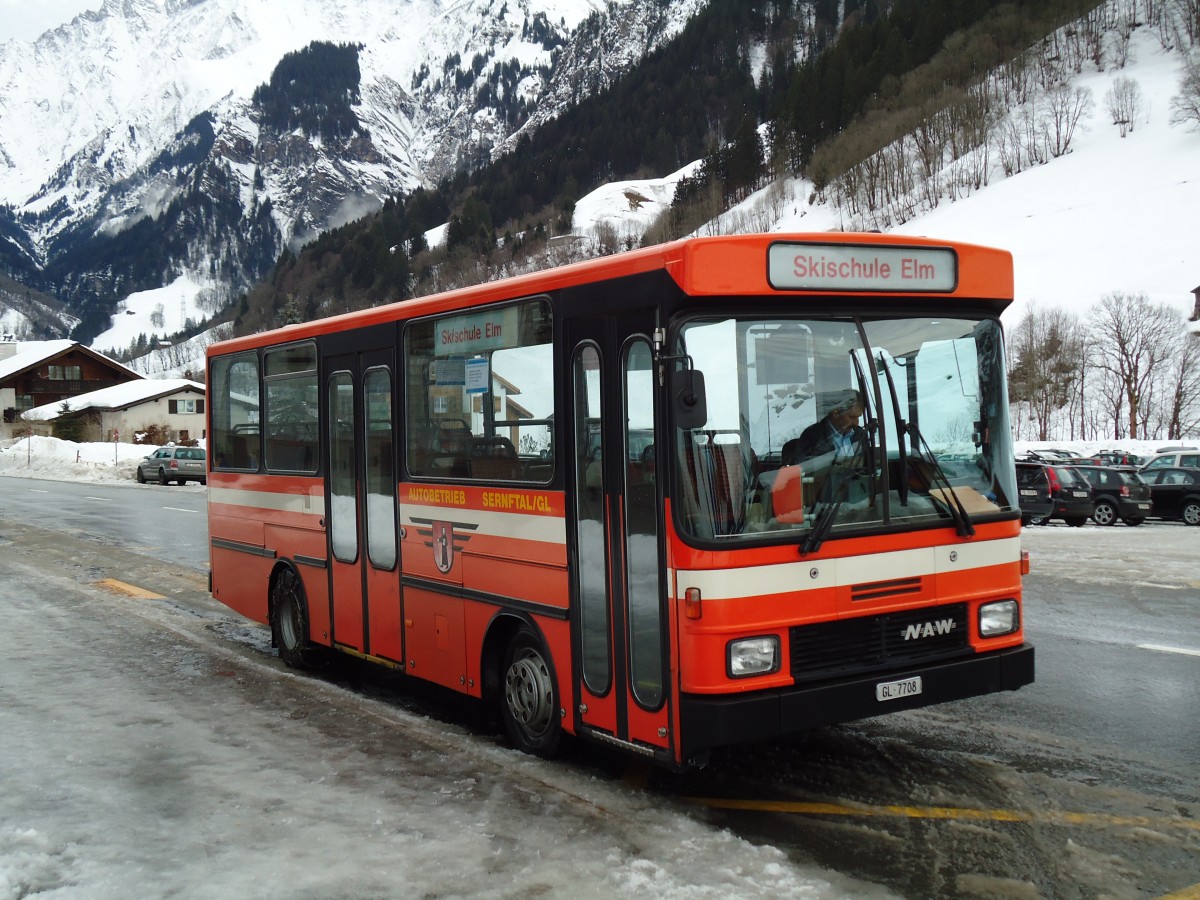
(860, 267)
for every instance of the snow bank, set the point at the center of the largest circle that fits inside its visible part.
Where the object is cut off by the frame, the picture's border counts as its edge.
(58, 460)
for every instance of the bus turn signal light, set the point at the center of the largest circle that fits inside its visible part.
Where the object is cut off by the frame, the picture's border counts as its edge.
(691, 603)
(1024, 562)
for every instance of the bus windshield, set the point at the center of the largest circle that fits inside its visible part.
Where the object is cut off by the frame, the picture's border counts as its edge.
(821, 427)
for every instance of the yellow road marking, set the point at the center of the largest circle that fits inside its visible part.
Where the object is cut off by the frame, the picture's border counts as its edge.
(1187, 893)
(130, 590)
(948, 812)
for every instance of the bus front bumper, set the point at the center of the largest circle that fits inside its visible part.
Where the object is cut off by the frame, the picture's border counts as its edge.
(712, 721)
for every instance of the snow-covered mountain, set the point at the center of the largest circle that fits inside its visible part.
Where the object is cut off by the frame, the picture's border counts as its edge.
(145, 111)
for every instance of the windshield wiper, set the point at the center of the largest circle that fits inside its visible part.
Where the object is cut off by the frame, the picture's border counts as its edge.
(820, 530)
(962, 520)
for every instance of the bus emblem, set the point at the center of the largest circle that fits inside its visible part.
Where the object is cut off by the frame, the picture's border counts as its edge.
(444, 539)
(443, 546)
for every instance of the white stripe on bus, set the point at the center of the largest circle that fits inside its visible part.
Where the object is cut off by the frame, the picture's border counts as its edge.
(727, 584)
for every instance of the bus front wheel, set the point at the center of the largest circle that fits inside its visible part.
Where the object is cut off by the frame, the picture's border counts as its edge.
(529, 697)
(289, 621)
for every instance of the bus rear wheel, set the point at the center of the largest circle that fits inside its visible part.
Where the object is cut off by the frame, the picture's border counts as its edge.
(529, 696)
(289, 621)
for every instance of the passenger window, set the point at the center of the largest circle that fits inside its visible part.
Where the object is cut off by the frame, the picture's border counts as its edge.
(235, 412)
(480, 398)
(290, 379)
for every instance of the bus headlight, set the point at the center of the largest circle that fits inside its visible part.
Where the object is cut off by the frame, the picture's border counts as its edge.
(753, 656)
(996, 619)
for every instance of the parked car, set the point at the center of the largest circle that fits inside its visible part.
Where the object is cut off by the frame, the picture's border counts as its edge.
(1176, 494)
(1117, 494)
(167, 464)
(1117, 458)
(1033, 491)
(1173, 458)
(1070, 495)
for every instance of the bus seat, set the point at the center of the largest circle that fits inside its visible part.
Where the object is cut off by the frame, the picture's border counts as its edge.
(494, 458)
(787, 496)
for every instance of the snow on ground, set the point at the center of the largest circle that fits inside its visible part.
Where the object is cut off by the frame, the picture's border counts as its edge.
(155, 313)
(627, 208)
(58, 460)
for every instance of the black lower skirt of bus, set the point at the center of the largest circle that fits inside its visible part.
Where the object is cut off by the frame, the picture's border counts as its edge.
(707, 721)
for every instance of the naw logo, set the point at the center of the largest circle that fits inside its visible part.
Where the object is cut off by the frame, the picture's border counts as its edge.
(933, 628)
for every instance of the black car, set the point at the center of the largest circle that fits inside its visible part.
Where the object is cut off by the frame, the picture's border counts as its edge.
(1033, 491)
(1117, 494)
(1070, 495)
(1176, 494)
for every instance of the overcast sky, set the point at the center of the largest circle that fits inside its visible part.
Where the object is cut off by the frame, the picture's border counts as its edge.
(26, 20)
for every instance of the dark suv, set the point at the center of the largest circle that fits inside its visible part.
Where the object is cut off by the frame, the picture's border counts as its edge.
(1071, 495)
(1117, 494)
(1176, 494)
(1033, 491)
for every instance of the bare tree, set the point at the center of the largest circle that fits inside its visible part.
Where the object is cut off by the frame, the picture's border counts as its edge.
(1182, 387)
(1132, 339)
(1065, 107)
(1124, 101)
(1046, 348)
(1185, 106)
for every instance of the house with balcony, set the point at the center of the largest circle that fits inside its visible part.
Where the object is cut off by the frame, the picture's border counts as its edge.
(39, 373)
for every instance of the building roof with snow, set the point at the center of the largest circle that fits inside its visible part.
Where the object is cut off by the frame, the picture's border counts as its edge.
(117, 397)
(30, 354)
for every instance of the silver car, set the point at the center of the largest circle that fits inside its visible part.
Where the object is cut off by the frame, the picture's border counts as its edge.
(168, 464)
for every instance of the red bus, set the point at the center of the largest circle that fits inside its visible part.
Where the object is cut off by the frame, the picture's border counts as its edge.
(703, 493)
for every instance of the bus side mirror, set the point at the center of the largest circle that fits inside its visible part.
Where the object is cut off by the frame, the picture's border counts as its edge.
(688, 400)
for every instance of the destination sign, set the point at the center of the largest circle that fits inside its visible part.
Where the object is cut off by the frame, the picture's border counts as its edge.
(860, 267)
(492, 329)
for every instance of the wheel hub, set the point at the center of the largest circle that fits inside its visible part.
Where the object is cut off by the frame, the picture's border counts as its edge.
(528, 692)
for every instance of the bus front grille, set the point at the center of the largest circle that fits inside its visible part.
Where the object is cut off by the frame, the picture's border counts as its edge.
(878, 643)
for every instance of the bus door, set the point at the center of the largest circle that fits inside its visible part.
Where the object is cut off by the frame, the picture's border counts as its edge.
(619, 618)
(361, 504)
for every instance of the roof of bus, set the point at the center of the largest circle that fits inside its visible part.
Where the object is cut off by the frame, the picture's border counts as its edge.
(701, 266)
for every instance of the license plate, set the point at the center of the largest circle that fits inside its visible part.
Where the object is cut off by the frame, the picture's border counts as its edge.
(1081, 493)
(1143, 506)
(894, 690)
(1027, 493)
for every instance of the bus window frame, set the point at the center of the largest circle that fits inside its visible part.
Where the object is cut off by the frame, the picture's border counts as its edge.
(314, 424)
(250, 429)
(412, 388)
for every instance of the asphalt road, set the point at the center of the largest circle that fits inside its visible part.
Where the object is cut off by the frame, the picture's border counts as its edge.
(1081, 785)
(162, 522)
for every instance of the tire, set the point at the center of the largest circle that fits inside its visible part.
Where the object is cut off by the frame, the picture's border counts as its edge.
(1104, 513)
(1039, 520)
(529, 696)
(289, 621)
(1191, 513)
(1076, 522)
(162, 477)
(141, 479)
(1133, 522)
